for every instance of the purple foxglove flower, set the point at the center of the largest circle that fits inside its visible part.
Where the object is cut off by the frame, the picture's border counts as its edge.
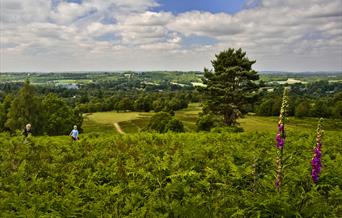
(280, 139)
(316, 160)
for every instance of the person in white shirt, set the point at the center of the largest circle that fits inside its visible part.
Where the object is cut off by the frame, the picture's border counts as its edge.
(74, 133)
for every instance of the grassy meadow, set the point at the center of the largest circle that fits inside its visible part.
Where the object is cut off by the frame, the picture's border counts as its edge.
(133, 122)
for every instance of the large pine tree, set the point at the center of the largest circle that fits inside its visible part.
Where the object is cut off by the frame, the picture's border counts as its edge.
(230, 87)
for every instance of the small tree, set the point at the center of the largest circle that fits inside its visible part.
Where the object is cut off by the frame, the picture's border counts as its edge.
(3, 117)
(174, 125)
(163, 122)
(230, 87)
(206, 122)
(26, 108)
(338, 109)
(320, 109)
(59, 116)
(159, 121)
(302, 109)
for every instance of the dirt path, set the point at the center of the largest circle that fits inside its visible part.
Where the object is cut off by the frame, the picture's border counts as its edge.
(118, 128)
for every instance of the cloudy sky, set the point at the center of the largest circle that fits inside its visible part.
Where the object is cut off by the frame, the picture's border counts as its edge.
(74, 35)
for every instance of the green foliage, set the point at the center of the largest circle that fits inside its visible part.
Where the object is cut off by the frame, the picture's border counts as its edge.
(206, 122)
(142, 104)
(174, 125)
(228, 129)
(300, 105)
(163, 122)
(230, 87)
(3, 117)
(26, 108)
(167, 175)
(4, 108)
(59, 117)
(302, 109)
(338, 109)
(159, 121)
(49, 114)
(320, 109)
(270, 107)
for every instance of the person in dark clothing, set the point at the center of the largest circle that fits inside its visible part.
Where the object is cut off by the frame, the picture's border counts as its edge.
(27, 131)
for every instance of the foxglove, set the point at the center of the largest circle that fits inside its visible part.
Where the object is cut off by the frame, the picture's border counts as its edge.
(280, 139)
(316, 160)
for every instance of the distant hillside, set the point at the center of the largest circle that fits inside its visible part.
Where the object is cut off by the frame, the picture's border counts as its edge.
(306, 72)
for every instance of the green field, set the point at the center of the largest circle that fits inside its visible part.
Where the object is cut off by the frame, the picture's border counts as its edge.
(132, 122)
(104, 121)
(267, 124)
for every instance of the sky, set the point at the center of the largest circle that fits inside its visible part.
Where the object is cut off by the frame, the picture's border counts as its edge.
(141, 35)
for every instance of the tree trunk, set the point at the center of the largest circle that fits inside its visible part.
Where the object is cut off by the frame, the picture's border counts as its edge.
(227, 119)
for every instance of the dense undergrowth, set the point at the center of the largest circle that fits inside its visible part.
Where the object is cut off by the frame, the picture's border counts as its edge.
(167, 175)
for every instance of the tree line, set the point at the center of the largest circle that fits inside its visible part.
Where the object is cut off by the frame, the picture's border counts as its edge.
(135, 101)
(231, 90)
(51, 114)
(301, 106)
(48, 114)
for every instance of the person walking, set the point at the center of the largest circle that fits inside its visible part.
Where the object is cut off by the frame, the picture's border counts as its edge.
(27, 130)
(74, 134)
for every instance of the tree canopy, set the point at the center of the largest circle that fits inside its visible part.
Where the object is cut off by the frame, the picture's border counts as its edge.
(230, 87)
(49, 114)
(25, 108)
(163, 122)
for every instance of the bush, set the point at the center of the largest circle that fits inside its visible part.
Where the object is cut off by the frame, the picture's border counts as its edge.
(228, 129)
(338, 109)
(174, 125)
(206, 122)
(302, 109)
(270, 107)
(320, 109)
(163, 122)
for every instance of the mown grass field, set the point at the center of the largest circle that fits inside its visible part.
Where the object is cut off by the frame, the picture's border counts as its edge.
(104, 121)
(133, 122)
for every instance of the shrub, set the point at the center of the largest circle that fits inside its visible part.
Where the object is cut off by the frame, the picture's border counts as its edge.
(228, 129)
(206, 122)
(174, 125)
(163, 122)
(302, 109)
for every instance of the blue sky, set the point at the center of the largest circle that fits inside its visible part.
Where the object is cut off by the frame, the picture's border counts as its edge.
(110, 35)
(181, 6)
(75, 1)
(214, 6)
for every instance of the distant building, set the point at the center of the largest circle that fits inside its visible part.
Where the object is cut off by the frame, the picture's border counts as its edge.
(178, 84)
(128, 75)
(68, 85)
(198, 84)
(289, 81)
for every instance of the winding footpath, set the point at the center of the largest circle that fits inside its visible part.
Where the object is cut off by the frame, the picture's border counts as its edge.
(118, 128)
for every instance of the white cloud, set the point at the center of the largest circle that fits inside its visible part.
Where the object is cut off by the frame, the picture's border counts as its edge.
(24, 11)
(126, 34)
(205, 23)
(67, 12)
